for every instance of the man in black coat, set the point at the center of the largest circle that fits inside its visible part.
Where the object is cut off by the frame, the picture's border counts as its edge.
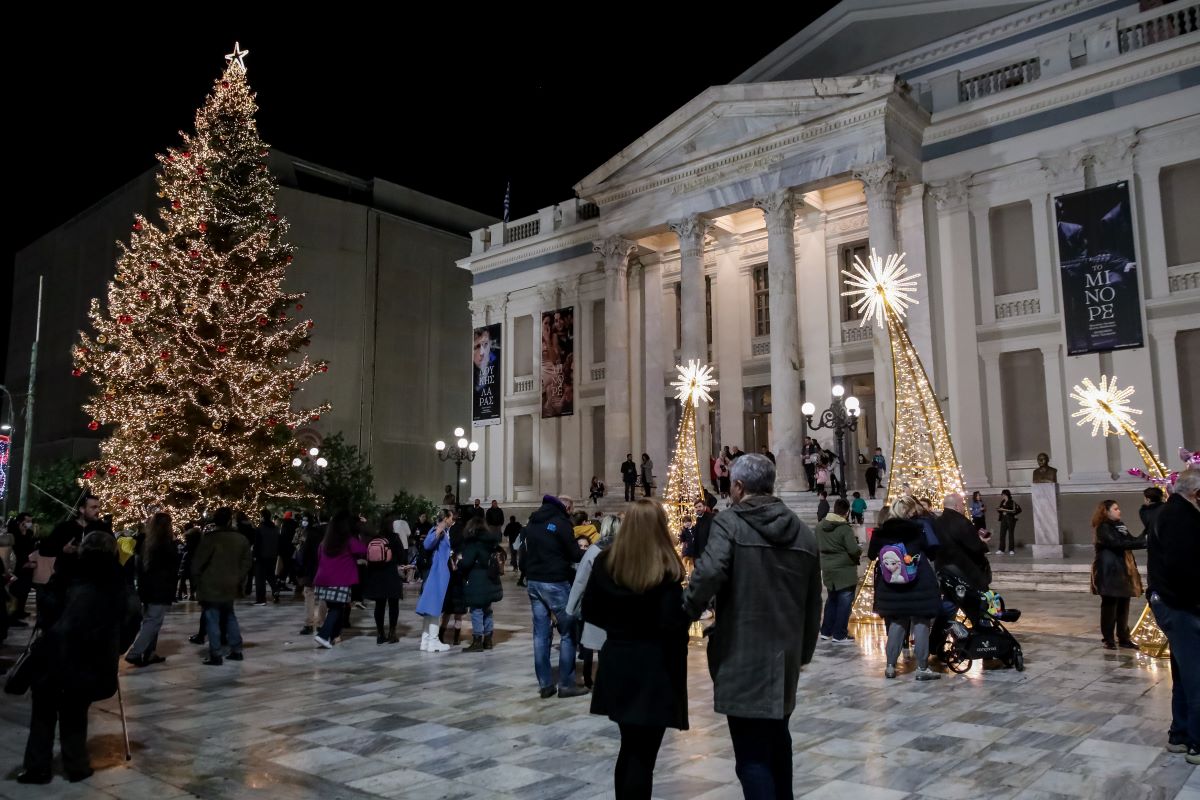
(762, 565)
(494, 516)
(89, 617)
(1173, 552)
(266, 550)
(629, 476)
(511, 531)
(550, 557)
(1152, 503)
(66, 536)
(961, 550)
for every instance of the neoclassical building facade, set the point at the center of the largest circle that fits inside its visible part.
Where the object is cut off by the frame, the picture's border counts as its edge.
(721, 233)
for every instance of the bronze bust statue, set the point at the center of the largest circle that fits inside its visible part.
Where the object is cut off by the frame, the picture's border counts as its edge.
(1044, 472)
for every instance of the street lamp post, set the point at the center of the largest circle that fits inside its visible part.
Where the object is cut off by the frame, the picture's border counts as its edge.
(840, 417)
(458, 452)
(310, 464)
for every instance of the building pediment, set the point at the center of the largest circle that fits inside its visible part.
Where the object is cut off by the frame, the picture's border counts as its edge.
(725, 119)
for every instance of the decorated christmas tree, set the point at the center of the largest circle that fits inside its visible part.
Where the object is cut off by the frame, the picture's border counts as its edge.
(196, 351)
(684, 484)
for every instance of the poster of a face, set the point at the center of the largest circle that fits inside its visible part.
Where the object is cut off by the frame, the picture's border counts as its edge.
(485, 375)
(1102, 307)
(558, 362)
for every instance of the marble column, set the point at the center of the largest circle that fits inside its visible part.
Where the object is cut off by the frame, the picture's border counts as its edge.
(879, 181)
(958, 313)
(779, 209)
(637, 366)
(617, 430)
(1056, 403)
(1166, 393)
(694, 335)
(815, 331)
(997, 457)
(729, 340)
(654, 359)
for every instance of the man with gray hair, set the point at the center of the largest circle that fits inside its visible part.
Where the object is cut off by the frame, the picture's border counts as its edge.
(1173, 550)
(763, 567)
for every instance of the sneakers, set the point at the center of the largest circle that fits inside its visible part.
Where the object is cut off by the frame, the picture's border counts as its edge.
(825, 638)
(307, 630)
(34, 776)
(926, 674)
(890, 672)
(546, 691)
(1193, 755)
(212, 661)
(847, 640)
(1177, 747)
(572, 691)
(435, 646)
(328, 645)
(236, 656)
(197, 638)
(1012, 552)
(259, 603)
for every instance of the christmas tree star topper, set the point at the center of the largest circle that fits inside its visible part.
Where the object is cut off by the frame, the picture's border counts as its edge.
(238, 55)
(1105, 407)
(693, 383)
(885, 284)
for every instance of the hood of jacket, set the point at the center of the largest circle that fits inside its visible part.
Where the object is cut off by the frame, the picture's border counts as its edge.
(551, 508)
(769, 517)
(831, 523)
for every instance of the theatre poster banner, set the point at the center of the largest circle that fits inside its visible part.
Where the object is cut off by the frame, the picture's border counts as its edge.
(485, 373)
(558, 362)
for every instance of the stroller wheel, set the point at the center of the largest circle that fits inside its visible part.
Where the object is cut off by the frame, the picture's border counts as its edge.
(952, 659)
(1019, 660)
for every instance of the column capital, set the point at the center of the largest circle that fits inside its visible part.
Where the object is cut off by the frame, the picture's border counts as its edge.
(951, 194)
(779, 209)
(879, 177)
(615, 251)
(635, 269)
(549, 294)
(691, 231)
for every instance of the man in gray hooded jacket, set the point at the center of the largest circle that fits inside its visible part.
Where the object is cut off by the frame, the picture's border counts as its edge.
(763, 566)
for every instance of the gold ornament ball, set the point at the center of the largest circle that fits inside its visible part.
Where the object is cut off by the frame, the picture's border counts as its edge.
(216, 426)
(162, 488)
(101, 339)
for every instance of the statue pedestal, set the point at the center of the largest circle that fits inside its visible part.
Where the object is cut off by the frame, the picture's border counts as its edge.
(1047, 536)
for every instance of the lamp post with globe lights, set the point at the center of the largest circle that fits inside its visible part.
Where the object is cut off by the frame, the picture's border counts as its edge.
(840, 417)
(458, 451)
(311, 462)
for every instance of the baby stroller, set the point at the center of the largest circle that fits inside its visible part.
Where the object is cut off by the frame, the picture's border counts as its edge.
(982, 635)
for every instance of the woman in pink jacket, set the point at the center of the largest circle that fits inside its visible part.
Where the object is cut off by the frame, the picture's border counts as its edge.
(337, 570)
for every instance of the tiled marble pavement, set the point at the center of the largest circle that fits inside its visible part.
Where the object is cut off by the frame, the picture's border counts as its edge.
(365, 721)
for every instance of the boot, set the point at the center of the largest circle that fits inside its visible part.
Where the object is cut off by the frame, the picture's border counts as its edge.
(424, 641)
(435, 645)
(379, 637)
(392, 637)
(476, 645)
(441, 634)
(487, 641)
(457, 635)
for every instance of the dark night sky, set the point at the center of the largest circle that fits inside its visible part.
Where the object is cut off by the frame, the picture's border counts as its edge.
(453, 104)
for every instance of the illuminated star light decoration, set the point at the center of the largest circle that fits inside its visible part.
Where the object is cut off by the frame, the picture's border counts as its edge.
(923, 461)
(1106, 408)
(684, 484)
(196, 352)
(238, 56)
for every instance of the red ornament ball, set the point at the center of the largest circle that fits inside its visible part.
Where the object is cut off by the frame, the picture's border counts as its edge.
(315, 417)
(272, 422)
(222, 348)
(165, 355)
(225, 286)
(137, 226)
(154, 437)
(324, 368)
(289, 259)
(299, 306)
(125, 502)
(175, 204)
(193, 254)
(262, 320)
(125, 319)
(187, 154)
(153, 265)
(308, 324)
(170, 157)
(210, 469)
(76, 372)
(144, 295)
(203, 226)
(273, 217)
(200, 171)
(89, 474)
(224, 84)
(93, 426)
(113, 470)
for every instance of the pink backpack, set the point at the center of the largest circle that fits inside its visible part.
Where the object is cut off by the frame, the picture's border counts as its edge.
(378, 551)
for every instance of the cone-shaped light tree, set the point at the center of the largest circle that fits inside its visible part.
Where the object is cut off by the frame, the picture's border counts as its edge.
(684, 484)
(197, 351)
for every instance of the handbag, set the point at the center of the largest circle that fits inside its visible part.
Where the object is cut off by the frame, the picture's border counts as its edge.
(43, 568)
(20, 675)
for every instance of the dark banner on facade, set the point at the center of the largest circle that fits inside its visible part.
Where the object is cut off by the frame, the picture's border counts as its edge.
(558, 363)
(1102, 307)
(485, 371)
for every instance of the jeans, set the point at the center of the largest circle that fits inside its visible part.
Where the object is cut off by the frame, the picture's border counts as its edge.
(546, 599)
(1114, 613)
(334, 621)
(897, 637)
(214, 615)
(633, 778)
(1008, 532)
(51, 707)
(763, 750)
(630, 492)
(264, 573)
(481, 621)
(147, 639)
(1183, 632)
(837, 612)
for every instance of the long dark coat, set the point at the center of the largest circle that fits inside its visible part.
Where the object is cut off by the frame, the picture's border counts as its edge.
(480, 590)
(922, 597)
(382, 580)
(1114, 572)
(642, 679)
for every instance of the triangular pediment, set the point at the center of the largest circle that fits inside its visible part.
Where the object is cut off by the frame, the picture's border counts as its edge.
(726, 117)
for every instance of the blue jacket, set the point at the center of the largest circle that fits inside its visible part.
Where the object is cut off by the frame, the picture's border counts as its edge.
(433, 593)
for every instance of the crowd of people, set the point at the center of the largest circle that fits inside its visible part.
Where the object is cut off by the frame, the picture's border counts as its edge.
(620, 590)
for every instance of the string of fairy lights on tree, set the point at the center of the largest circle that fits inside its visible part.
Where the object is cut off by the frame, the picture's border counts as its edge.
(196, 352)
(1106, 408)
(684, 484)
(923, 462)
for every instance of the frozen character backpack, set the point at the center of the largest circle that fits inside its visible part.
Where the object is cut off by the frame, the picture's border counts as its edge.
(896, 566)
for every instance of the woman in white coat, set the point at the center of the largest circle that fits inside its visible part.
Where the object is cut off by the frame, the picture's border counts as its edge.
(591, 638)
